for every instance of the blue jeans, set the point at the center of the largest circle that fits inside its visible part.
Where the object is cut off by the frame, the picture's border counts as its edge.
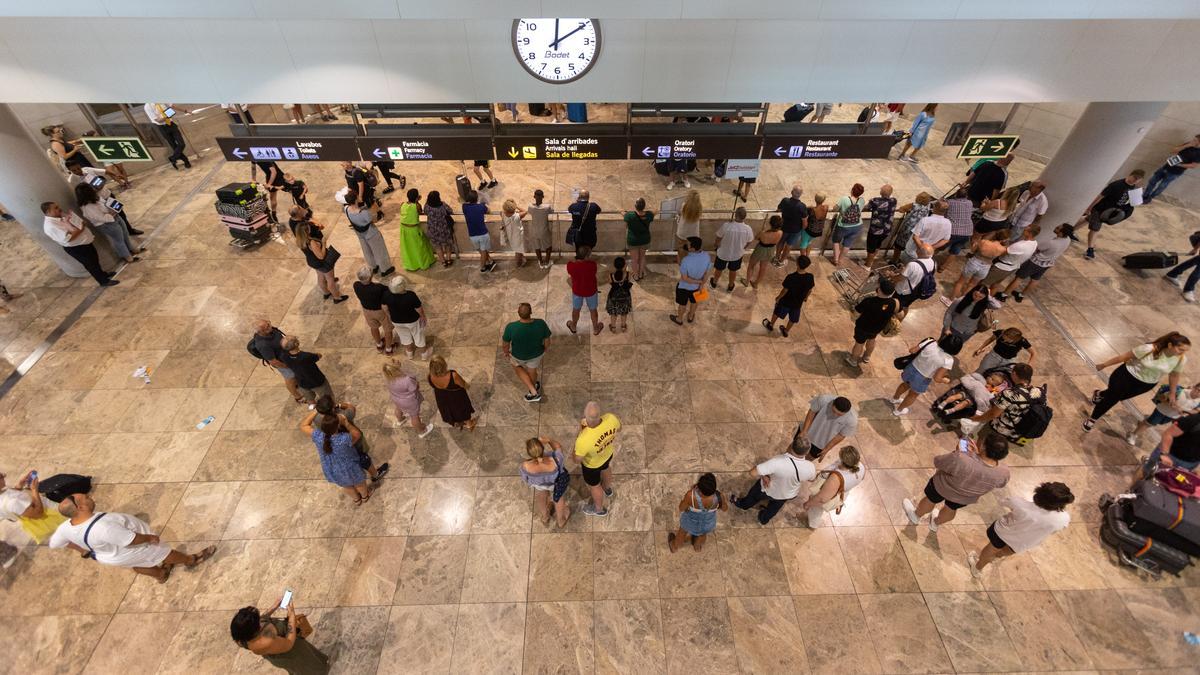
(1159, 182)
(1193, 278)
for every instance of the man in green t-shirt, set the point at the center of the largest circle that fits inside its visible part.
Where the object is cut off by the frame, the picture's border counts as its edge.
(525, 345)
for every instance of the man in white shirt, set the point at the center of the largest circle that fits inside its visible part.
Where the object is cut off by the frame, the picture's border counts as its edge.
(162, 116)
(1031, 206)
(118, 539)
(779, 480)
(933, 229)
(908, 282)
(1018, 252)
(732, 238)
(70, 231)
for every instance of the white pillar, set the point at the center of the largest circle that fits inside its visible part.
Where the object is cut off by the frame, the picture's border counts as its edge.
(26, 180)
(1092, 154)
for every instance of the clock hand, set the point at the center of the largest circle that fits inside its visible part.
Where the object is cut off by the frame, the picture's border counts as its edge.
(555, 43)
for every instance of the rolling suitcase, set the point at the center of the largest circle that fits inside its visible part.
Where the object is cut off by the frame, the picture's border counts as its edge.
(237, 193)
(1165, 516)
(1150, 260)
(1138, 550)
(577, 112)
(60, 486)
(463, 184)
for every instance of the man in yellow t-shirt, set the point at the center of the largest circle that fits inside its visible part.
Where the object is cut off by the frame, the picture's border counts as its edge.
(594, 448)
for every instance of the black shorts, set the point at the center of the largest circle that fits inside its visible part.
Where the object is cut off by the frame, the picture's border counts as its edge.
(749, 181)
(1093, 220)
(482, 162)
(995, 539)
(592, 476)
(814, 452)
(1031, 270)
(906, 300)
(683, 296)
(733, 265)
(983, 226)
(861, 336)
(932, 495)
(874, 241)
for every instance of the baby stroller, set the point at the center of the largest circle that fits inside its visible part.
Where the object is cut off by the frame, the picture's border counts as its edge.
(948, 418)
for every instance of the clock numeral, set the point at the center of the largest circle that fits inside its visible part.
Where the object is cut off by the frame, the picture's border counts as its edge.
(571, 66)
(558, 71)
(542, 68)
(582, 56)
(531, 57)
(531, 26)
(525, 41)
(587, 41)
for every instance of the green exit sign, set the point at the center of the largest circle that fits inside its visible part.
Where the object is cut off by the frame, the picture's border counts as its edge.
(987, 147)
(117, 149)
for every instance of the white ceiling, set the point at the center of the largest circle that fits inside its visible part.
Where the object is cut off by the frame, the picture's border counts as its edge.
(909, 51)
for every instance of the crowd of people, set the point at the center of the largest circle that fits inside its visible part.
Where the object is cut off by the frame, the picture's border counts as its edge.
(995, 228)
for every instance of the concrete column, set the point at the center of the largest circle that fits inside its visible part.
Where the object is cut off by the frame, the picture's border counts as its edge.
(26, 180)
(1092, 154)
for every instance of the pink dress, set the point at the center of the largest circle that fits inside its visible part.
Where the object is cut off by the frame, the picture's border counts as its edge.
(406, 396)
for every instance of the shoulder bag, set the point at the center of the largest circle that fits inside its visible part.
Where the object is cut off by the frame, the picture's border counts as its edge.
(901, 362)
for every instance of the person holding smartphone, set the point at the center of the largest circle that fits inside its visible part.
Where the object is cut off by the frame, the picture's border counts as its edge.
(282, 642)
(163, 116)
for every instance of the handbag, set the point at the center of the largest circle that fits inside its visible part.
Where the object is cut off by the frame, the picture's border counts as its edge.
(839, 499)
(901, 362)
(701, 294)
(331, 257)
(561, 481)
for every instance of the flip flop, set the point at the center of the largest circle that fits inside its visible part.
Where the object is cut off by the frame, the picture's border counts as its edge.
(202, 556)
(166, 574)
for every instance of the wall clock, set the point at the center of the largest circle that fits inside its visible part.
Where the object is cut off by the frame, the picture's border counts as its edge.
(556, 50)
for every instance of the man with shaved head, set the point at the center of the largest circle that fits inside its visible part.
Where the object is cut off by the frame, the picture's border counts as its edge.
(267, 345)
(1031, 206)
(882, 209)
(594, 449)
(795, 219)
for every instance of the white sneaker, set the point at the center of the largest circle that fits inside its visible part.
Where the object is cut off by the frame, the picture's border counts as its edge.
(895, 401)
(910, 510)
(1131, 439)
(671, 185)
(1178, 281)
(428, 429)
(972, 560)
(687, 183)
(900, 412)
(1190, 296)
(933, 525)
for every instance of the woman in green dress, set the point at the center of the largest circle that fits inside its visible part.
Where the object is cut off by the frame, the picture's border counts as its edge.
(414, 244)
(281, 642)
(637, 237)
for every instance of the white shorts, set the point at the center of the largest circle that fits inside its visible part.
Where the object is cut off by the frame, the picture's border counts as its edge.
(411, 333)
(543, 488)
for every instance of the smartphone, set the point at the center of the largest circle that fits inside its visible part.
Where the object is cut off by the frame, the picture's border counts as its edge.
(287, 599)
(33, 476)
(168, 112)
(964, 445)
(113, 204)
(97, 181)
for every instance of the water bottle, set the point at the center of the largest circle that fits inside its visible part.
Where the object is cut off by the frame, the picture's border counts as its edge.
(205, 422)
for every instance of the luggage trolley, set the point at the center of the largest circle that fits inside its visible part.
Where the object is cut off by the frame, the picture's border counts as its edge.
(856, 282)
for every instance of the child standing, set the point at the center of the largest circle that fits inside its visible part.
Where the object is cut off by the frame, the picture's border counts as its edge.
(1007, 344)
(1187, 401)
(514, 229)
(620, 296)
(698, 513)
(797, 286)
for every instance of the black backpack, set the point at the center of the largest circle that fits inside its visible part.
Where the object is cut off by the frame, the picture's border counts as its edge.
(928, 285)
(1035, 421)
(253, 348)
(60, 486)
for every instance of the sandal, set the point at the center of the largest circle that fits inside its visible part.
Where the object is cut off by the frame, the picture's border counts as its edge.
(202, 556)
(166, 575)
(379, 346)
(598, 329)
(571, 327)
(675, 320)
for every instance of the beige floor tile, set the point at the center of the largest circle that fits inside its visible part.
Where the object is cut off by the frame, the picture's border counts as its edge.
(972, 632)
(489, 638)
(904, 634)
(629, 636)
(688, 573)
(572, 625)
(836, 635)
(813, 560)
(876, 561)
(497, 568)
(431, 571)
(367, 571)
(560, 566)
(408, 647)
(134, 642)
(444, 506)
(625, 565)
(698, 636)
(1040, 632)
(752, 563)
(66, 641)
(203, 511)
(767, 635)
(1107, 629)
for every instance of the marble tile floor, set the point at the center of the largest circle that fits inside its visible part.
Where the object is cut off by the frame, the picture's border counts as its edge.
(447, 569)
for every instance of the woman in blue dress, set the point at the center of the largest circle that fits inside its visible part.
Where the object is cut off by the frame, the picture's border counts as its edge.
(698, 513)
(341, 462)
(919, 133)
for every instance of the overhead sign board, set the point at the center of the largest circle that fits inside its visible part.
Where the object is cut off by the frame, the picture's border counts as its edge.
(987, 146)
(117, 148)
(858, 146)
(693, 147)
(289, 149)
(560, 146)
(424, 148)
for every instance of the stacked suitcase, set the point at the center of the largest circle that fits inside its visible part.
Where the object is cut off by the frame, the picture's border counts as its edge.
(1151, 527)
(243, 211)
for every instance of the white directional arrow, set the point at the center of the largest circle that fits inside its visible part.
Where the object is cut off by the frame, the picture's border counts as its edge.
(780, 151)
(104, 150)
(238, 152)
(997, 146)
(380, 152)
(647, 151)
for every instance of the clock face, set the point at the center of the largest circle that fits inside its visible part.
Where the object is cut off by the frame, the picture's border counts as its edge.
(556, 50)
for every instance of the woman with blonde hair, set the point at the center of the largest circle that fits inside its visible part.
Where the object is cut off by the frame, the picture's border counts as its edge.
(1140, 371)
(841, 477)
(450, 394)
(405, 393)
(687, 223)
(322, 259)
(547, 474)
(514, 227)
(996, 215)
